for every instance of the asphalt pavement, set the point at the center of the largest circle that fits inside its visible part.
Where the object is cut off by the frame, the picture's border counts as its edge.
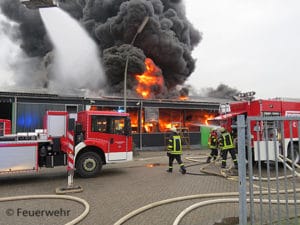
(121, 189)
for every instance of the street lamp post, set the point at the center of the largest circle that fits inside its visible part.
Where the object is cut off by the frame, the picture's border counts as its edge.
(139, 30)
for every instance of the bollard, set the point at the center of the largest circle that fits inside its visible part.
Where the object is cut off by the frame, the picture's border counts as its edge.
(70, 167)
(68, 147)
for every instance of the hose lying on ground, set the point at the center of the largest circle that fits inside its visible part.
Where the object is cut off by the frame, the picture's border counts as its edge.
(188, 197)
(203, 171)
(226, 200)
(222, 174)
(183, 198)
(68, 197)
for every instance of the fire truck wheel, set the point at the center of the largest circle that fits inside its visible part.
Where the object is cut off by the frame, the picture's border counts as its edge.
(88, 164)
(296, 153)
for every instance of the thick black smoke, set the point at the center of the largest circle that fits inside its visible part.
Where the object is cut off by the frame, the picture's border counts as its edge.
(32, 31)
(222, 91)
(168, 38)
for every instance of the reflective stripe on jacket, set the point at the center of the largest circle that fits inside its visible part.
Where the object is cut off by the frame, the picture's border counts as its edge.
(226, 141)
(174, 145)
(212, 142)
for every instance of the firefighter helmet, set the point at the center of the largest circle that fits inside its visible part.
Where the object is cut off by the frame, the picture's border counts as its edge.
(173, 129)
(222, 129)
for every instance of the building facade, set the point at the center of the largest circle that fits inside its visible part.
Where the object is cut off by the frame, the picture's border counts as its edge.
(151, 119)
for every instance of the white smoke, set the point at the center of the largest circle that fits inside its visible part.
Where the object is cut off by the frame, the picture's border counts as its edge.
(9, 52)
(76, 62)
(16, 69)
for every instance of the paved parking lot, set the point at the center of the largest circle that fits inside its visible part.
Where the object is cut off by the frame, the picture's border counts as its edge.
(119, 190)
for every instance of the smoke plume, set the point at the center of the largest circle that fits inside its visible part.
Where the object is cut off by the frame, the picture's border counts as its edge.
(16, 69)
(168, 38)
(222, 91)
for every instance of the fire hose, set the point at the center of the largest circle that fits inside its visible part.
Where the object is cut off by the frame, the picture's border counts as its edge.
(204, 171)
(204, 203)
(228, 200)
(236, 200)
(280, 158)
(67, 197)
(189, 197)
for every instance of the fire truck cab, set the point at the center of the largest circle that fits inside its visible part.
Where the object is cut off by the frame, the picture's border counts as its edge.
(101, 137)
(97, 138)
(267, 131)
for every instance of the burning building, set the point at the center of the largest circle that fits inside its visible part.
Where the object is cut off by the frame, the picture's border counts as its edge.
(145, 50)
(151, 119)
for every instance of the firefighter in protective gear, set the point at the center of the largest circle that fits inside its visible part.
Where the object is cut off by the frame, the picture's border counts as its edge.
(226, 145)
(175, 151)
(213, 145)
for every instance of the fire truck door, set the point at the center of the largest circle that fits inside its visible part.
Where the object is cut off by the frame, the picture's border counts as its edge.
(119, 141)
(111, 129)
(118, 148)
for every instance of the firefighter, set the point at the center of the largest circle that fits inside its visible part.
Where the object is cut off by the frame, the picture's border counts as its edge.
(175, 150)
(226, 144)
(213, 145)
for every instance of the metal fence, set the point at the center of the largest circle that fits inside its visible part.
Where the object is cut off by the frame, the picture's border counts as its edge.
(268, 155)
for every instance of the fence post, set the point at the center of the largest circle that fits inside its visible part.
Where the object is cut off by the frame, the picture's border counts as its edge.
(241, 129)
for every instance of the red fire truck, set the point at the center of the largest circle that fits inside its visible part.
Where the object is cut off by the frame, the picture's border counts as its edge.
(263, 132)
(5, 127)
(99, 137)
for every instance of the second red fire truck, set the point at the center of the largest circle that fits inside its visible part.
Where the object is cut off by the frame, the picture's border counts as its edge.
(264, 134)
(98, 138)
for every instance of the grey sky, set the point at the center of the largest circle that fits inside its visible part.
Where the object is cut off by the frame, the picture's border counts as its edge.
(248, 45)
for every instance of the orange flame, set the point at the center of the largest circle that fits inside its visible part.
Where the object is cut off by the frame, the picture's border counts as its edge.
(207, 118)
(193, 121)
(150, 78)
(183, 97)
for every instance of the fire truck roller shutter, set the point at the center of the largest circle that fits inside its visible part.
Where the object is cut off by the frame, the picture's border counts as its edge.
(89, 162)
(44, 149)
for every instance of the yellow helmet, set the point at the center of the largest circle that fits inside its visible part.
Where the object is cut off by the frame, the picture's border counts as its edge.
(173, 129)
(222, 129)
